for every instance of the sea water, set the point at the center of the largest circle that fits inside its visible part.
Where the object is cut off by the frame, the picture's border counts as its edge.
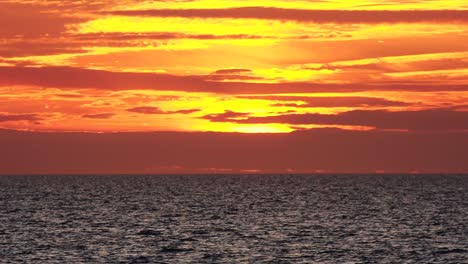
(234, 219)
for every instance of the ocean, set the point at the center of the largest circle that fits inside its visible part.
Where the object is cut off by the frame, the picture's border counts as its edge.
(234, 219)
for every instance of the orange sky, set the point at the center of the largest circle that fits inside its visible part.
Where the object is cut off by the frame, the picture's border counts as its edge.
(257, 66)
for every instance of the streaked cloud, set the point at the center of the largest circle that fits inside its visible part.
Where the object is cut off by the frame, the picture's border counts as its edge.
(106, 66)
(99, 116)
(68, 77)
(304, 15)
(151, 110)
(432, 119)
(19, 117)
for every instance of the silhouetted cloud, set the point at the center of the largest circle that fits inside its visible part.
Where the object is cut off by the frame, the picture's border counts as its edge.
(337, 101)
(99, 116)
(227, 116)
(32, 20)
(302, 15)
(186, 111)
(19, 117)
(433, 119)
(124, 36)
(232, 71)
(78, 78)
(150, 110)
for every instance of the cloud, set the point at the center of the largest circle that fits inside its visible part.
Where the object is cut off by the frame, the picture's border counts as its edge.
(66, 43)
(99, 116)
(38, 48)
(69, 95)
(125, 36)
(425, 120)
(32, 20)
(68, 77)
(305, 151)
(233, 71)
(19, 117)
(351, 101)
(232, 74)
(150, 110)
(227, 116)
(231, 77)
(315, 16)
(78, 78)
(186, 111)
(397, 64)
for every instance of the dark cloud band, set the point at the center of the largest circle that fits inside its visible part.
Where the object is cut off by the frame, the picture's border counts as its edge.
(316, 16)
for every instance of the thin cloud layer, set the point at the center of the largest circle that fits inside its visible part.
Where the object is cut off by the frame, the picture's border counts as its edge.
(19, 117)
(99, 116)
(336, 101)
(434, 119)
(69, 77)
(149, 110)
(316, 16)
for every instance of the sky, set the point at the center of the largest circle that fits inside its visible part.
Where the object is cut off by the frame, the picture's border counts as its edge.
(197, 86)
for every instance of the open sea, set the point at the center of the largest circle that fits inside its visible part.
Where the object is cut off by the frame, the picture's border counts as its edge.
(234, 219)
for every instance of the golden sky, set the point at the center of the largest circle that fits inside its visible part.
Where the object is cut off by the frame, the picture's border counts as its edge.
(281, 67)
(233, 66)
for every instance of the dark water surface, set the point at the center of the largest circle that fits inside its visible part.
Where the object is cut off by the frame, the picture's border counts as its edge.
(234, 219)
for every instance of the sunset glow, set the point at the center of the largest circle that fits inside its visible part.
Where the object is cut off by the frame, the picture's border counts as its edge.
(255, 67)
